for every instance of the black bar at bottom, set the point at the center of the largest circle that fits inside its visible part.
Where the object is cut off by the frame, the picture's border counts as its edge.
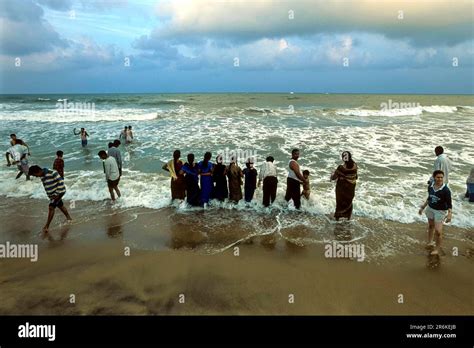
(291, 330)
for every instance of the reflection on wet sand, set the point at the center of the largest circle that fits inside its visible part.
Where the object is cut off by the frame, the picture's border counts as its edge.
(115, 225)
(434, 262)
(185, 236)
(342, 231)
(56, 238)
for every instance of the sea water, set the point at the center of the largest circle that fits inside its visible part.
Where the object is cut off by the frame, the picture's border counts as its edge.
(391, 137)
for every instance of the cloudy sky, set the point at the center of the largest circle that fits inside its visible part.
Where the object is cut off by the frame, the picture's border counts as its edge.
(340, 46)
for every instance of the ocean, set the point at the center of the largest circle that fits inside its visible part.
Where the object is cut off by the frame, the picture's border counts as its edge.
(391, 137)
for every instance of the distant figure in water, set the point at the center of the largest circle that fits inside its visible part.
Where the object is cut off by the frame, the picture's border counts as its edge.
(346, 176)
(58, 164)
(193, 191)
(306, 186)
(219, 176)
(205, 171)
(178, 182)
(250, 174)
(123, 134)
(470, 186)
(112, 174)
(54, 186)
(235, 175)
(442, 163)
(268, 175)
(115, 153)
(294, 180)
(129, 135)
(438, 202)
(83, 133)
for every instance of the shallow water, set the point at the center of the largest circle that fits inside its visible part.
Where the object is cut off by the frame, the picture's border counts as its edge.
(393, 148)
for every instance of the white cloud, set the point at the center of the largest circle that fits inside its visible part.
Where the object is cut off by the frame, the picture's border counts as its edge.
(423, 21)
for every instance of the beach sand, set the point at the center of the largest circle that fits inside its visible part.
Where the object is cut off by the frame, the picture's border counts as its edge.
(172, 255)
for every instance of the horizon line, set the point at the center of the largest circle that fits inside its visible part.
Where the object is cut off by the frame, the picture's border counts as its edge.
(286, 92)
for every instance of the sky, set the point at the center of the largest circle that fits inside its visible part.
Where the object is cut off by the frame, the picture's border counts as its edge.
(306, 46)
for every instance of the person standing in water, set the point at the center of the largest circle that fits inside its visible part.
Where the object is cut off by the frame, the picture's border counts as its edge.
(250, 174)
(54, 186)
(442, 163)
(346, 176)
(112, 173)
(470, 186)
(58, 164)
(219, 176)
(235, 175)
(129, 135)
(438, 202)
(306, 186)
(83, 133)
(268, 175)
(193, 192)
(123, 134)
(294, 180)
(178, 183)
(205, 171)
(115, 153)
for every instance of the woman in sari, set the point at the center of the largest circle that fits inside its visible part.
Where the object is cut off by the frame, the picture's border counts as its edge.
(346, 176)
(220, 191)
(193, 192)
(235, 175)
(205, 169)
(178, 184)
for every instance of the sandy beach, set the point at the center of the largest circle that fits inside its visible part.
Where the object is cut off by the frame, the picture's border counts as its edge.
(171, 261)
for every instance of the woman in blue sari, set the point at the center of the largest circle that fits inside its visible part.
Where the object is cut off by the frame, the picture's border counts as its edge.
(205, 168)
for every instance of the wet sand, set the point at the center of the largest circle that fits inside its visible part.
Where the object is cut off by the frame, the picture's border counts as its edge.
(175, 254)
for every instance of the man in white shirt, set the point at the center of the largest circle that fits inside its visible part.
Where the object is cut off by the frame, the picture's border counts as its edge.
(442, 163)
(268, 175)
(112, 173)
(16, 152)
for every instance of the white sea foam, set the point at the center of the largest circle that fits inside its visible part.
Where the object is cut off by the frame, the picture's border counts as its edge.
(413, 111)
(13, 112)
(56, 116)
(390, 201)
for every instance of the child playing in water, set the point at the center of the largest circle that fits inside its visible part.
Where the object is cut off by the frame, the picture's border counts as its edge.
(58, 164)
(23, 167)
(306, 189)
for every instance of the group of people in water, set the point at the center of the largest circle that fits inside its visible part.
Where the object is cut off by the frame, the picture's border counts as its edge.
(126, 135)
(198, 183)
